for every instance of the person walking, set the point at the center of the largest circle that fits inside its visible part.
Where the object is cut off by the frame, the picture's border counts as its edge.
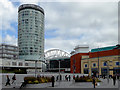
(8, 80)
(60, 77)
(74, 77)
(57, 78)
(93, 82)
(69, 77)
(66, 77)
(114, 80)
(14, 80)
(53, 80)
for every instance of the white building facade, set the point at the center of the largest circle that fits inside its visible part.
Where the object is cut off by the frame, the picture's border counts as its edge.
(80, 49)
(18, 63)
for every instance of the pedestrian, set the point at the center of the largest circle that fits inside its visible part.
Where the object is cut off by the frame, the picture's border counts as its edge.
(38, 76)
(57, 78)
(114, 80)
(92, 74)
(69, 77)
(118, 76)
(53, 80)
(14, 80)
(66, 77)
(74, 77)
(8, 80)
(93, 82)
(104, 76)
(60, 77)
(97, 75)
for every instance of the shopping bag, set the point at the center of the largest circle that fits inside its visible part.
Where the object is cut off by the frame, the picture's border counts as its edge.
(98, 84)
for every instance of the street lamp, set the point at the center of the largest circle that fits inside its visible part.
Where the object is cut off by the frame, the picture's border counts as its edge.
(48, 65)
(73, 68)
(118, 47)
(98, 62)
(107, 70)
(42, 64)
(59, 71)
(35, 68)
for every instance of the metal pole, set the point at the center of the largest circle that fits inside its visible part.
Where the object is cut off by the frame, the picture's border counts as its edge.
(49, 65)
(73, 69)
(107, 71)
(118, 47)
(59, 72)
(118, 74)
(42, 66)
(35, 68)
(119, 63)
(98, 63)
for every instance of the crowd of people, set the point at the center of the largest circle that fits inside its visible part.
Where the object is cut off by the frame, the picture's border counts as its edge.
(59, 78)
(114, 77)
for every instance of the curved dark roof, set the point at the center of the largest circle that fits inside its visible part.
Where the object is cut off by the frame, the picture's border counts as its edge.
(30, 6)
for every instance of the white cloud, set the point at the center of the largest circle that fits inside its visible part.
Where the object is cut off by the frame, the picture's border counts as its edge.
(94, 24)
(8, 14)
(29, 1)
(10, 39)
(74, 23)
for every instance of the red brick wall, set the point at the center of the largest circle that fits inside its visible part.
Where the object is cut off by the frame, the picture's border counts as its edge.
(104, 53)
(77, 58)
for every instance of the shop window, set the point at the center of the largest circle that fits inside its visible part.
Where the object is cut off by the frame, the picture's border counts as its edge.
(104, 64)
(94, 64)
(20, 64)
(117, 63)
(26, 64)
(14, 63)
(85, 65)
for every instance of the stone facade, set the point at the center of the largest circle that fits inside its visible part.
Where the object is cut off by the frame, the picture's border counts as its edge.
(87, 64)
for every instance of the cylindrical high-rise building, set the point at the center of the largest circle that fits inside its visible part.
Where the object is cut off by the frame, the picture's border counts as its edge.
(31, 32)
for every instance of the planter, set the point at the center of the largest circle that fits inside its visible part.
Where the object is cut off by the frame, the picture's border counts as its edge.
(85, 79)
(34, 80)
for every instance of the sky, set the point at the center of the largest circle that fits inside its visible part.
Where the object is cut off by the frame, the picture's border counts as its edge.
(67, 23)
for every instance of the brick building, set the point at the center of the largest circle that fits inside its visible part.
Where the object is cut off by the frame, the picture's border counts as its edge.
(98, 60)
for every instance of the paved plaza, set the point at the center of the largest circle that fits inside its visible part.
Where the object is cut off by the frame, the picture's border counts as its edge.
(61, 84)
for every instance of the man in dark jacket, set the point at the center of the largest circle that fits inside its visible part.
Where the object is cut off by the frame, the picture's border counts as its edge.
(93, 82)
(114, 80)
(53, 80)
(69, 77)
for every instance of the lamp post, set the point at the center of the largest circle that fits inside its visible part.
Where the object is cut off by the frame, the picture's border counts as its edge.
(59, 72)
(107, 71)
(35, 68)
(42, 65)
(98, 63)
(73, 68)
(48, 65)
(118, 47)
